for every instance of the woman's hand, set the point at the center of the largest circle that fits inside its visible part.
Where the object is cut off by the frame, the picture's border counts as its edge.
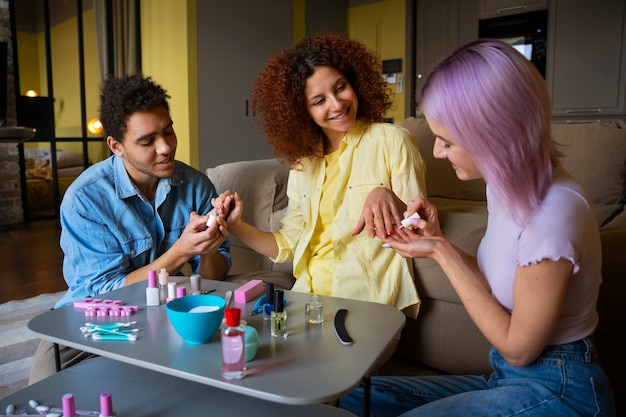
(428, 223)
(381, 213)
(419, 238)
(229, 206)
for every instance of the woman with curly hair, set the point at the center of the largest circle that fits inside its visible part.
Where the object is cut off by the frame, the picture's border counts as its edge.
(321, 104)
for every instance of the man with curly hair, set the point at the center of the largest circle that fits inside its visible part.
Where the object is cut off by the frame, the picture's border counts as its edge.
(137, 210)
(321, 106)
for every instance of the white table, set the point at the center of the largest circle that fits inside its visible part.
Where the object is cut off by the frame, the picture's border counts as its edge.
(140, 392)
(310, 366)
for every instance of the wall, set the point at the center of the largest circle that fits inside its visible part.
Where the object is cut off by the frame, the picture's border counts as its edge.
(381, 26)
(11, 211)
(326, 16)
(169, 56)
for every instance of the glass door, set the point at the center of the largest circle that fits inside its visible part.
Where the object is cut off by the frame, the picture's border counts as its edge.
(58, 79)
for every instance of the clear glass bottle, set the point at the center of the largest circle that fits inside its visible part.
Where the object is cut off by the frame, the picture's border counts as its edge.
(233, 345)
(313, 310)
(279, 316)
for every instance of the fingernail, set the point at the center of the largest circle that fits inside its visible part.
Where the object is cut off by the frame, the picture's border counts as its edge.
(386, 245)
(414, 222)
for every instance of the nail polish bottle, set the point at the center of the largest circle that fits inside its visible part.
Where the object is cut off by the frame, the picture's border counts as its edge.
(196, 284)
(69, 409)
(152, 291)
(164, 278)
(171, 291)
(106, 405)
(233, 345)
(278, 319)
(313, 310)
(268, 307)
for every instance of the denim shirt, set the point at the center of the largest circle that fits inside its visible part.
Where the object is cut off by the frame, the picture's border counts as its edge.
(109, 229)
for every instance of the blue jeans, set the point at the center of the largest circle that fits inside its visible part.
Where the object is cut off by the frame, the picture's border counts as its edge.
(566, 380)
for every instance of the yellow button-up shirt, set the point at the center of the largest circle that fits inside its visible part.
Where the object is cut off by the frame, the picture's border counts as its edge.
(371, 155)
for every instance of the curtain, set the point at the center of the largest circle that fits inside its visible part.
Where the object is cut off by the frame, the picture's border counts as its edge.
(121, 57)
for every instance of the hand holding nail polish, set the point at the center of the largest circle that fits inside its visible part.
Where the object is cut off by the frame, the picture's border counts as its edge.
(412, 219)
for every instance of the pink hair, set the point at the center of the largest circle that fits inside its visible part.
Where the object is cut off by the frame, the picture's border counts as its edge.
(496, 106)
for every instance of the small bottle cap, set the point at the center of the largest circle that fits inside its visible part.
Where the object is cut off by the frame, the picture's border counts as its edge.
(152, 278)
(269, 293)
(68, 405)
(233, 316)
(278, 301)
(171, 289)
(181, 291)
(164, 277)
(196, 284)
(106, 405)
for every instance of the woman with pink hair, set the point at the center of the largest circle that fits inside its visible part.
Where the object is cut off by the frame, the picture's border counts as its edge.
(533, 286)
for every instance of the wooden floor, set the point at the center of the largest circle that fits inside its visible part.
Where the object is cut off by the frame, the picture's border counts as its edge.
(31, 260)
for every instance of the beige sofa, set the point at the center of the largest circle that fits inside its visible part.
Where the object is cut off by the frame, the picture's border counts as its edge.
(443, 339)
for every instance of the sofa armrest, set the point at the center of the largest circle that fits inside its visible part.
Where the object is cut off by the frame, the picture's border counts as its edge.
(262, 185)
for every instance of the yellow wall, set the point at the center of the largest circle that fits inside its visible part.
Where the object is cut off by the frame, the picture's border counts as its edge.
(169, 56)
(28, 59)
(299, 20)
(381, 27)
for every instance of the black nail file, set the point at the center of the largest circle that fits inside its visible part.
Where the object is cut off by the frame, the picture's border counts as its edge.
(340, 327)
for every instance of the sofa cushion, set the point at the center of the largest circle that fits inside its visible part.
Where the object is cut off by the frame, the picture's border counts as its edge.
(595, 155)
(262, 185)
(441, 180)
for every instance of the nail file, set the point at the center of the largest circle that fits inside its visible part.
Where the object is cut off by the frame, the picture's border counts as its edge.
(248, 291)
(340, 327)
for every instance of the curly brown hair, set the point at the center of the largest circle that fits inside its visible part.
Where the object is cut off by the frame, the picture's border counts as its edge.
(278, 96)
(123, 96)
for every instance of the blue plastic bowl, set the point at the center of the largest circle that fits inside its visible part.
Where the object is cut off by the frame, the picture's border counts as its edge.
(196, 327)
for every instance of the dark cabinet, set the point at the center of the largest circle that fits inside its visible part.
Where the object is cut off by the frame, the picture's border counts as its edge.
(586, 50)
(442, 26)
(235, 39)
(587, 59)
(496, 8)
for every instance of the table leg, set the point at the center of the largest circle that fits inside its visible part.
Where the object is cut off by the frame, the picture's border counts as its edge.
(366, 396)
(57, 357)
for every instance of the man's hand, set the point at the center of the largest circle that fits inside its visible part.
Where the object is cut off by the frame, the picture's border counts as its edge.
(198, 239)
